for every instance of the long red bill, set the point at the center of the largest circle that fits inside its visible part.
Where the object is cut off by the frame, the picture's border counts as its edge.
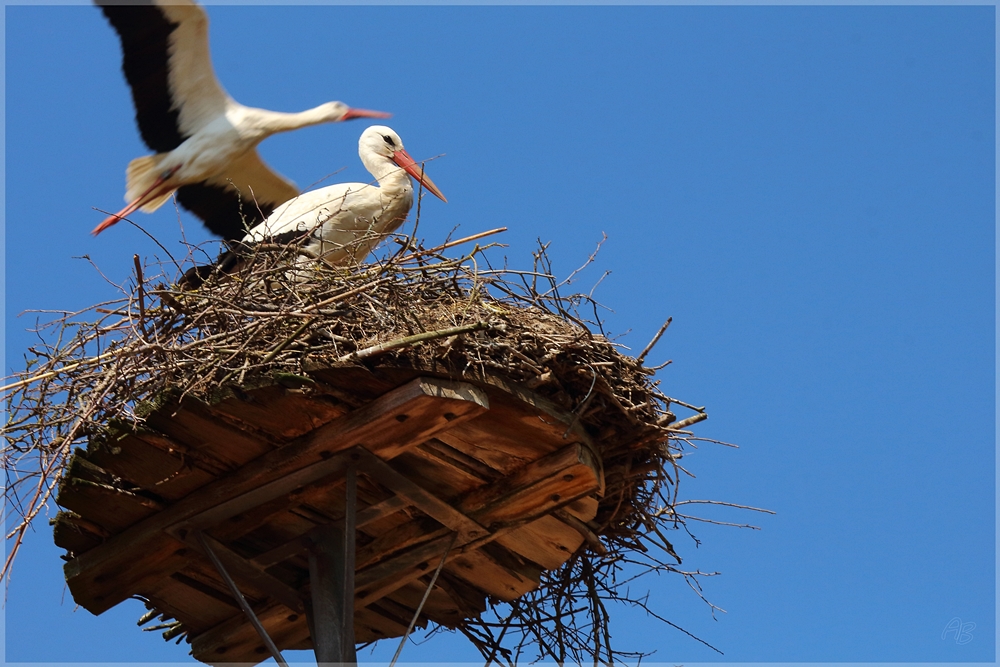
(365, 113)
(403, 159)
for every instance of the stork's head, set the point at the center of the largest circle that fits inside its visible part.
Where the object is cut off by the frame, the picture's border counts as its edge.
(334, 112)
(383, 141)
(380, 140)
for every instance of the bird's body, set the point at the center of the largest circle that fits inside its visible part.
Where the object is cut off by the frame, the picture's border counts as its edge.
(205, 141)
(343, 222)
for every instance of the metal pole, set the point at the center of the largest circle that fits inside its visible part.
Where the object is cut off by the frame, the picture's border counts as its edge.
(275, 653)
(331, 580)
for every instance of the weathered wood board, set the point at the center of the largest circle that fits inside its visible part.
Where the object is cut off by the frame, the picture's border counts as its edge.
(500, 475)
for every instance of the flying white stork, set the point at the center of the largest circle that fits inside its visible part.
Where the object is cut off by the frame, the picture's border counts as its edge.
(342, 223)
(205, 141)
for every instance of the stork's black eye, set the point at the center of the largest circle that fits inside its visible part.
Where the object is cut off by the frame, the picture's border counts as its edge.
(389, 140)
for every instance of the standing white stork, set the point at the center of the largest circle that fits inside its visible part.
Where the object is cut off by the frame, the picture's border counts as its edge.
(339, 223)
(205, 141)
(342, 223)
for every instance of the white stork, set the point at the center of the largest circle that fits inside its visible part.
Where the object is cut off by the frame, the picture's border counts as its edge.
(342, 223)
(205, 141)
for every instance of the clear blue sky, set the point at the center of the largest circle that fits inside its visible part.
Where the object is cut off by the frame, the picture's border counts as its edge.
(808, 191)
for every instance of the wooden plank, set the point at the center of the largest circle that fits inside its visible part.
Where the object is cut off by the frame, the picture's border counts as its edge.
(377, 581)
(112, 509)
(301, 543)
(208, 586)
(169, 556)
(593, 541)
(75, 534)
(502, 453)
(235, 640)
(193, 423)
(496, 572)
(291, 515)
(141, 464)
(399, 539)
(94, 494)
(388, 523)
(354, 383)
(537, 488)
(509, 399)
(511, 435)
(534, 491)
(505, 573)
(370, 625)
(520, 425)
(440, 606)
(435, 449)
(387, 426)
(555, 420)
(194, 457)
(546, 541)
(197, 610)
(470, 600)
(281, 413)
(584, 509)
(264, 493)
(274, 522)
(437, 477)
(426, 502)
(250, 576)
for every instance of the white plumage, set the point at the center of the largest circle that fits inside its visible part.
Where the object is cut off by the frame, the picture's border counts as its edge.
(344, 222)
(205, 141)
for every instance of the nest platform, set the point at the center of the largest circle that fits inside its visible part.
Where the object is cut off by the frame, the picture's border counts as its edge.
(494, 475)
(465, 425)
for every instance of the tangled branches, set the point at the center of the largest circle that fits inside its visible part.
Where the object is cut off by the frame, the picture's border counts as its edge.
(275, 318)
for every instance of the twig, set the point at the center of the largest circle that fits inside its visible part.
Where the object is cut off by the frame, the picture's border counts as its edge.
(50, 374)
(452, 244)
(142, 297)
(410, 340)
(285, 343)
(649, 348)
(693, 419)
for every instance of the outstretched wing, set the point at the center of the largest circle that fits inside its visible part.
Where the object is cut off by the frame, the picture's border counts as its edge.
(231, 205)
(168, 66)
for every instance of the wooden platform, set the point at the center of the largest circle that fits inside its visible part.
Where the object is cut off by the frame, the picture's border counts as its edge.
(492, 469)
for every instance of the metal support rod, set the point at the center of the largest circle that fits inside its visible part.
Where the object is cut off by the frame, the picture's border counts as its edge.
(331, 580)
(254, 621)
(423, 600)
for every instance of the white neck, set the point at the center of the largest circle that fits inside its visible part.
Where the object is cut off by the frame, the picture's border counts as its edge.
(392, 179)
(271, 122)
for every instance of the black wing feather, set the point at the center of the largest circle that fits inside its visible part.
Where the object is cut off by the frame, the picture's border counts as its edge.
(230, 260)
(145, 32)
(222, 209)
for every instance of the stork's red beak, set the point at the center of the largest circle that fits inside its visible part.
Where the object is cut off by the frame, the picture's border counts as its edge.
(403, 159)
(364, 113)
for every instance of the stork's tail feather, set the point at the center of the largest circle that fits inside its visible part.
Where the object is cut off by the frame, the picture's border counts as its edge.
(140, 175)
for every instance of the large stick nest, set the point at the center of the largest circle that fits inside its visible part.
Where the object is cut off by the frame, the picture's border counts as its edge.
(418, 308)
